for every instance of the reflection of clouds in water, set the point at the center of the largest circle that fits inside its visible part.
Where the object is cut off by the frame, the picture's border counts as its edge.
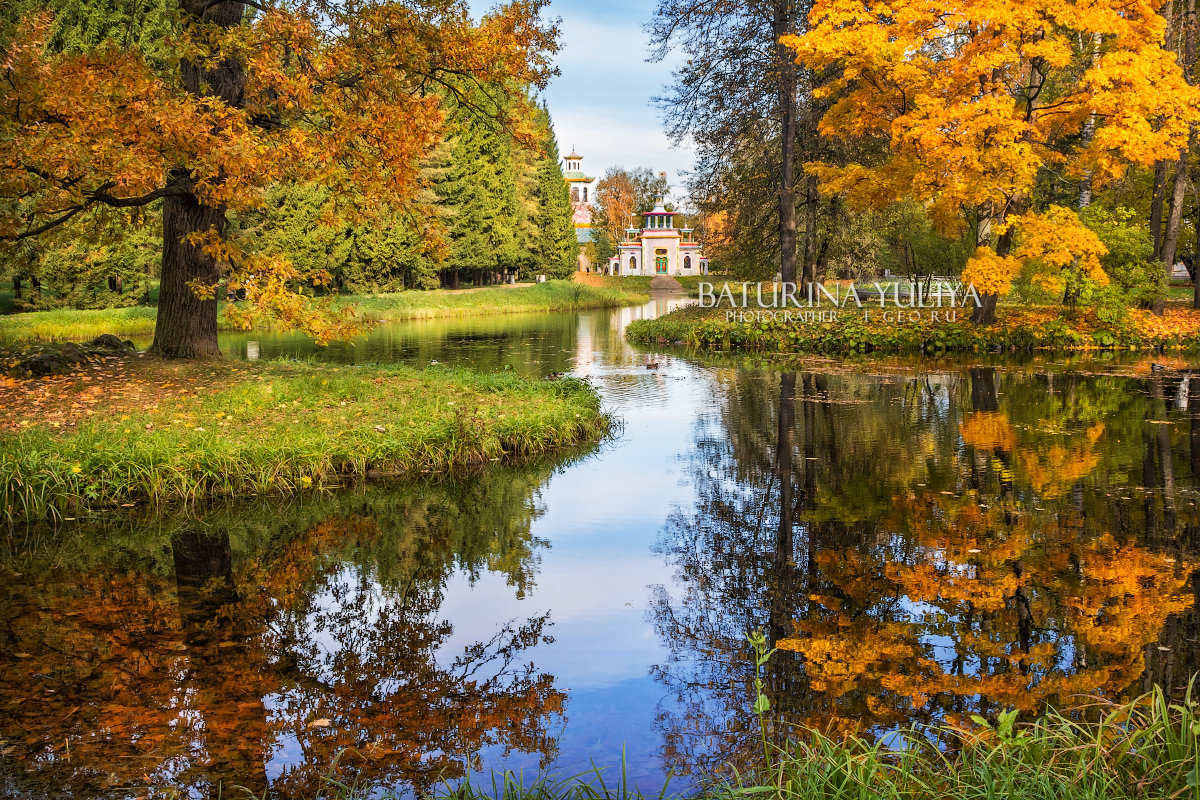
(596, 604)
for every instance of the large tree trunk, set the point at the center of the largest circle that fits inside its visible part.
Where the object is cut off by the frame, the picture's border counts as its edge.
(1089, 133)
(1156, 205)
(985, 312)
(810, 230)
(786, 61)
(187, 324)
(1175, 217)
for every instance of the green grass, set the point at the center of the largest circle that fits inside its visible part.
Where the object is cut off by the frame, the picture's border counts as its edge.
(1143, 750)
(187, 432)
(888, 329)
(549, 296)
(1180, 292)
(75, 326)
(641, 283)
(68, 325)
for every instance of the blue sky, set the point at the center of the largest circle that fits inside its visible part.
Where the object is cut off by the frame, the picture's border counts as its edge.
(601, 103)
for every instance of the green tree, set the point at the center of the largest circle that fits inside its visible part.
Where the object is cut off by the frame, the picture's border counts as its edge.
(554, 249)
(480, 204)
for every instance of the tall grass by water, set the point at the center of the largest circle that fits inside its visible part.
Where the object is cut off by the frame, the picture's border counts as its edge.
(221, 430)
(70, 325)
(1146, 749)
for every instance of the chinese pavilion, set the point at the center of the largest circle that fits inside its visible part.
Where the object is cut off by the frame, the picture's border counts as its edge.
(658, 248)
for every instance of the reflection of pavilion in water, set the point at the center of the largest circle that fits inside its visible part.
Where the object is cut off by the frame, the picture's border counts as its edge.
(604, 343)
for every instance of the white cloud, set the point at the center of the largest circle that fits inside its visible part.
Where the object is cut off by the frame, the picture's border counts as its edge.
(601, 104)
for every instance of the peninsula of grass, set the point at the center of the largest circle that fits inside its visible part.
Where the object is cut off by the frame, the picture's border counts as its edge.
(138, 321)
(142, 429)
(893, 330)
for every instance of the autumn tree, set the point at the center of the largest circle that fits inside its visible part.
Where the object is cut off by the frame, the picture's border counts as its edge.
(621, 195)
(974, 99)
(248, 96)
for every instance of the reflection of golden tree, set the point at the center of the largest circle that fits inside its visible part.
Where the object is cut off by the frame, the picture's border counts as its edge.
(984, 602)
(1049, 462)
(290, 656)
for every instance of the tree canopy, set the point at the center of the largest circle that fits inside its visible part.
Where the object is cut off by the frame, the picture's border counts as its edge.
(236, 99)
(974, 100)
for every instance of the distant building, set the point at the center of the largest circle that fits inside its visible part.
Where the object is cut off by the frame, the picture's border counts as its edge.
(659, 248)
(582, 191)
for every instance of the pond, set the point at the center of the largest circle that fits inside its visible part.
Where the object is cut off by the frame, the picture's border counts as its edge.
(924, 539)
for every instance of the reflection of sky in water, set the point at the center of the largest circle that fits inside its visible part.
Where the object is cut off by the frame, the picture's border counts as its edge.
(600, 518)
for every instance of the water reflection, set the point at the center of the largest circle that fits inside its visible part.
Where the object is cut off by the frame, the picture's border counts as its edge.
(253, 647)
(923, 546)
(925, 540)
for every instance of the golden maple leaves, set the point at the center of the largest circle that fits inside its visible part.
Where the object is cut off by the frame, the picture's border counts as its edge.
(1053, 243)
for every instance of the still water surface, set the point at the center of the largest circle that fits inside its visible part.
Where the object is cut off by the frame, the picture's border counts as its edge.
(925, 540)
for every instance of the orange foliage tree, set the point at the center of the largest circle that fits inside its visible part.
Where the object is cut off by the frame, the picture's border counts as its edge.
(976, 97)
(349, 95)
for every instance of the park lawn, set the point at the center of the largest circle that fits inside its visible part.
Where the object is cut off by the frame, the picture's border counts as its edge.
(641, 283)
(565, 295)
(140, 428)
(138, 321)
(1030, 327)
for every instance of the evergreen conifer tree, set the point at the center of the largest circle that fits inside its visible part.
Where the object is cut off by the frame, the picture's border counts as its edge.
(555, 249)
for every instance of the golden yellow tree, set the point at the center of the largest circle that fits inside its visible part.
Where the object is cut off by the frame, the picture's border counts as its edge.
(974, 98)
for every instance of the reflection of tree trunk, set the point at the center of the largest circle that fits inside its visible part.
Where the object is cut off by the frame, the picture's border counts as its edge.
(810, 459)
(1194, 430)
(781, 611)
(204, 576)
(208, 599)
(1166, 464)
(983, 389)
(1149, 478)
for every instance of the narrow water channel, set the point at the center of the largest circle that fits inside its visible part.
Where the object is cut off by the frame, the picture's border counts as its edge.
(924, 540)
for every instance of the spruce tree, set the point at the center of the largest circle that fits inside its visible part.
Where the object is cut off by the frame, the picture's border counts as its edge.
(480, 204)
(555, 249)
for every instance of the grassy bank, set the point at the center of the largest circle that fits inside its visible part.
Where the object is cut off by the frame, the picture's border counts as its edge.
(67, 325)
(146, 429)
(549, 296)
(1145, 749)
(892, 330)
(1148, 749)
(75, 326)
